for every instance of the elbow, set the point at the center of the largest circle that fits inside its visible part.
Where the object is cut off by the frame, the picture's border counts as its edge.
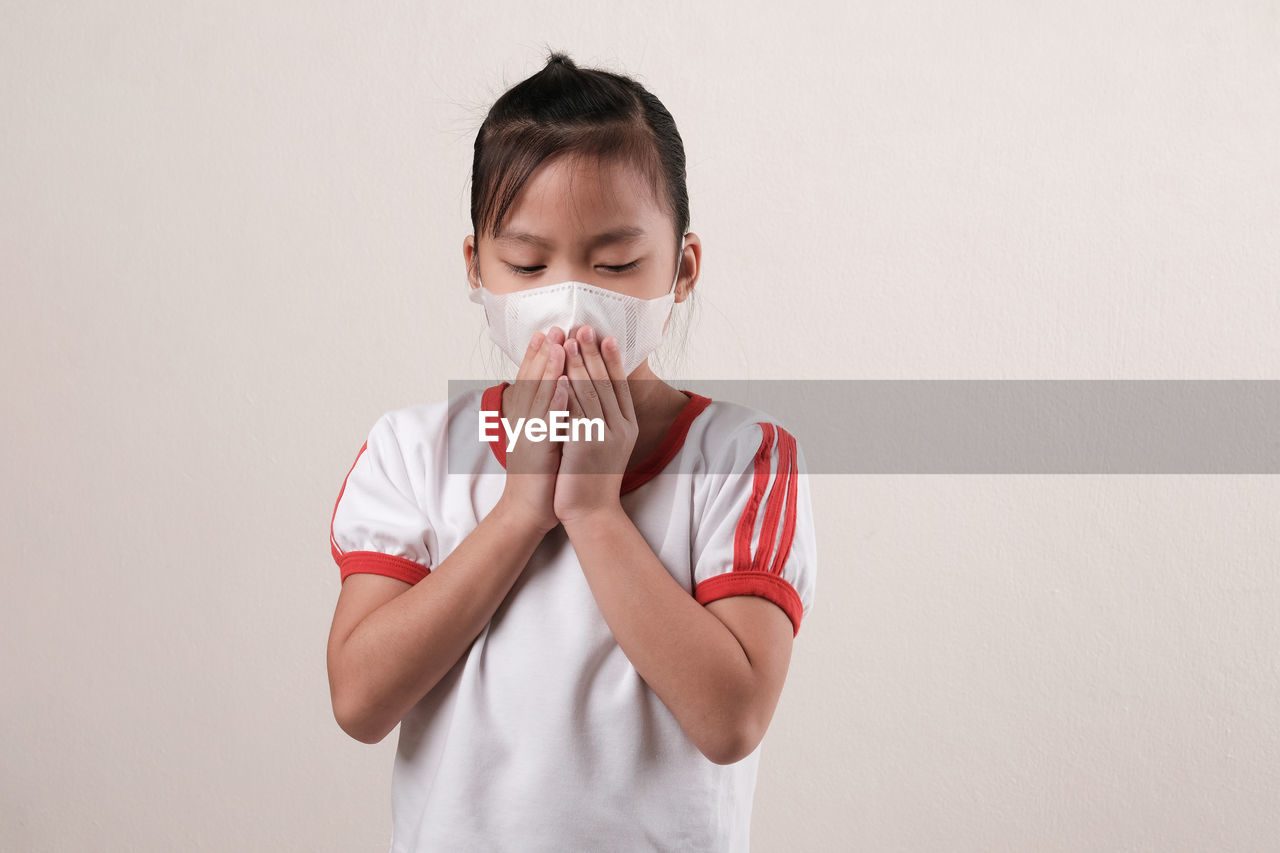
(349, 720)
(359, 728)
(355, 720)
(732, 744)
(351, 709)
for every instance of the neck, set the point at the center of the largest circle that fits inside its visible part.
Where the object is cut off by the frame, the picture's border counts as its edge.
(650, 394)
(657, 405)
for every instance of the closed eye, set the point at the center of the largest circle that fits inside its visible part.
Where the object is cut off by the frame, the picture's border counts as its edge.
(620, 268)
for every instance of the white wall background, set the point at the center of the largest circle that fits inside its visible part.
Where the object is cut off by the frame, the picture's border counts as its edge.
(230, 238)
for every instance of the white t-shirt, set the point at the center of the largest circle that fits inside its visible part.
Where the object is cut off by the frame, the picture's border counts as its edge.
(543, 737)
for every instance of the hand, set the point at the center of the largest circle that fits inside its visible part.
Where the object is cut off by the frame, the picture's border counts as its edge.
(529, 490)
(590, 477)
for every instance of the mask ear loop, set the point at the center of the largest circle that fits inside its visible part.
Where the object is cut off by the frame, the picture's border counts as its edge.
(679, 264)
(477, 292)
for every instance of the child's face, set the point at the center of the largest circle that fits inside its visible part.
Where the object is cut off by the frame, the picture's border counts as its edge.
(583, 220)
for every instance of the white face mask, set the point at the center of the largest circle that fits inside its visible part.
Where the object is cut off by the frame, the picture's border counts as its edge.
(636, 323)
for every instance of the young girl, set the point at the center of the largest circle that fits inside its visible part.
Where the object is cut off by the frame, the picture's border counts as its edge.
(583, 642)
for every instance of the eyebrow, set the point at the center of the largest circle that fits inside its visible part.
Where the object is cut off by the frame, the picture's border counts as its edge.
(617, 235)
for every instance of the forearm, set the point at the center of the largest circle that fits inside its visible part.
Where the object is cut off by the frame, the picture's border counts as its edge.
(400, 651)
(686, 655)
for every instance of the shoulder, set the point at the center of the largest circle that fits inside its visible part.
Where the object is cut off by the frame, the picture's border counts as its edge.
(427, 437)
(423, 425)
(729, 429)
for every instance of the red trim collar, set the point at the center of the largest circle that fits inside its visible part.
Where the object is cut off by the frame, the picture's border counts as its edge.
(643, 471)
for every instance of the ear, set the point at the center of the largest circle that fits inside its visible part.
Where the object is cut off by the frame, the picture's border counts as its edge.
(468, 254)
(690, 266)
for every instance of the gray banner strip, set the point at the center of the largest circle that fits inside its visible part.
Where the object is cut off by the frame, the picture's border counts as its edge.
(1049, 426)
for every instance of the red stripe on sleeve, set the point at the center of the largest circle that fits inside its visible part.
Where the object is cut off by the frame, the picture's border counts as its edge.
(789, 525)
(747, 523)
(773, 509)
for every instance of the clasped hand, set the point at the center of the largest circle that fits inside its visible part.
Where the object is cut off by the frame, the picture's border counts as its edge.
(574, 478)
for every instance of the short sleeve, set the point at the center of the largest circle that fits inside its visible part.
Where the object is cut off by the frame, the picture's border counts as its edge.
(756, 535)
(378, 525)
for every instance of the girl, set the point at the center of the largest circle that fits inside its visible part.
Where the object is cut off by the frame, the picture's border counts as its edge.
(583, 642)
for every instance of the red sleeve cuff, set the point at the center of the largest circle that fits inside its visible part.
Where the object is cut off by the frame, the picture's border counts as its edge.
(377, 563)
(746, 582)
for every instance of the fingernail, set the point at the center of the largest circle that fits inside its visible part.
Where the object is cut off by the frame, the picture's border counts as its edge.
(590, 335)
(571, 346)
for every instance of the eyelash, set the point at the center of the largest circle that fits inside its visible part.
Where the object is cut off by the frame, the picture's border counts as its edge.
(533, 270)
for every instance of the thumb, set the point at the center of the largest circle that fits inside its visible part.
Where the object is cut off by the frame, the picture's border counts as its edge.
(560, 398)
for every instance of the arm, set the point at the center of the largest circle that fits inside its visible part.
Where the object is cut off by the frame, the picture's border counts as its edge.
(391, 642)
(719, 668)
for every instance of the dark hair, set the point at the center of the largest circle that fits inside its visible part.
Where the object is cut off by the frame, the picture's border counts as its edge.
(564, 109)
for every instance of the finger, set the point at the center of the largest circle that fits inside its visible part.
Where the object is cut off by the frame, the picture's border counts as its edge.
(571, 403)
(580, 379)
(531, 368)
(599, 375)
(529, 385)
(557, 336)
(613, 361)
(560, 399)
(528, 366)
(546, 384)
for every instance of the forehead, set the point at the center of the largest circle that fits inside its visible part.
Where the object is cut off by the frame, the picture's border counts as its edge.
(568, 196)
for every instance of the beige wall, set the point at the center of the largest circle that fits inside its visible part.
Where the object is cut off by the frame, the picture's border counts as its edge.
(230, 238)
